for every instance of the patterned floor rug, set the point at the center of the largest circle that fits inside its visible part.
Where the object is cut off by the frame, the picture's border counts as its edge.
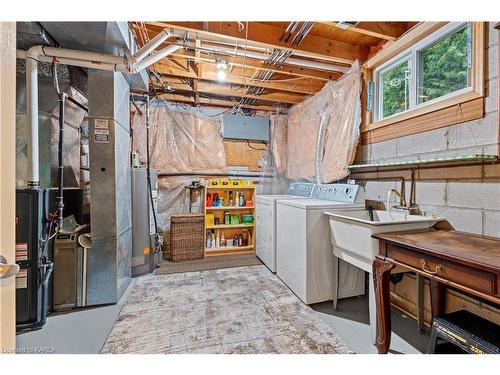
(232, 310)
(208, 263)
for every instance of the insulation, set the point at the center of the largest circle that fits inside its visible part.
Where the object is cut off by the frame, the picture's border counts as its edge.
(180, 142)
(336, 109)
(342, 131)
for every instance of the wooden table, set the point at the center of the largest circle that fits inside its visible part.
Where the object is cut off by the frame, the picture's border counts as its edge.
(467, 262)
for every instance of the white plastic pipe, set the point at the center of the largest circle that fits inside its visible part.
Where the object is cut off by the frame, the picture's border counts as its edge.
(32, 112)
(83, 59)
(151, 45)
(151, 59)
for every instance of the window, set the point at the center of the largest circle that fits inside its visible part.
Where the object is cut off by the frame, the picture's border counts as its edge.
(444, 66)
(437, 67)
(395, 89)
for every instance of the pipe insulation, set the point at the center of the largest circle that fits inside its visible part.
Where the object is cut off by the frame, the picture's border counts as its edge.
(101, 61)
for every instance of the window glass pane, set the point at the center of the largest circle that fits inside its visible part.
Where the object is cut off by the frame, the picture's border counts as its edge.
(444, 66)
(395, 89)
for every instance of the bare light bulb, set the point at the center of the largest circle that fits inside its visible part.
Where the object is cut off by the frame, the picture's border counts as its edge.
(221, 75)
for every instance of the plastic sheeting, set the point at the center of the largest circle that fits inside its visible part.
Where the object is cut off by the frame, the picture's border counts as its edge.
(275, 159)
(180, 142)
(49, 137)
(322, 133)
(73, 118)
(342, 131)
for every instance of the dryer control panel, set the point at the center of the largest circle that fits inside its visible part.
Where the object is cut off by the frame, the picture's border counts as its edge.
(302, 189)
(348, 193)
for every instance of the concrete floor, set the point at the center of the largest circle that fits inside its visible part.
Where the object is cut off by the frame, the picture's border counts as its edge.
(351, 323)
(81, 331)
(85, 330)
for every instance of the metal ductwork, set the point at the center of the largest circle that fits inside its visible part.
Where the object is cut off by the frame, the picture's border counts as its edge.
(96, 60)
(110, 256)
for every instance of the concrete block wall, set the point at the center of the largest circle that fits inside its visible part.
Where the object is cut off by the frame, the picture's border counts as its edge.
(468, 197)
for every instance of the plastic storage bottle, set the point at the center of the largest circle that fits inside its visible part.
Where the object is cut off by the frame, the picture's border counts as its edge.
(209, 241)
(242, 200)
(217, 239)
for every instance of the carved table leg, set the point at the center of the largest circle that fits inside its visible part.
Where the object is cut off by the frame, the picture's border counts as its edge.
(437, 297)
(381, 278)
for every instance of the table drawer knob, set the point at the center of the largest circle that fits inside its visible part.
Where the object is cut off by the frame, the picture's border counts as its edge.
(425, 267)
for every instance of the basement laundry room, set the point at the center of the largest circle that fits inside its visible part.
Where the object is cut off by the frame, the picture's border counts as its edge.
(250, 186)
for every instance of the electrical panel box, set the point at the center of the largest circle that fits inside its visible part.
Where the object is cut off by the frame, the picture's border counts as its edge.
(245, 127)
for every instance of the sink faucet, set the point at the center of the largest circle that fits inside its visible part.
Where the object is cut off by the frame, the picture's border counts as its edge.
(401, 196)
(411, 208)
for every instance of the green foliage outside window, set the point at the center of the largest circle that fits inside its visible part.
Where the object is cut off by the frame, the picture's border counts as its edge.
(396, 90)
(444, 67)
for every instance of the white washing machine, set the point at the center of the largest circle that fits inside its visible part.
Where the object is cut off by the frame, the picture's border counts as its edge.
(304, 254)
(265, 207)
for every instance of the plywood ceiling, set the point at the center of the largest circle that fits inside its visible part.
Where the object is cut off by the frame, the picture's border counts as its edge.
(189, 75)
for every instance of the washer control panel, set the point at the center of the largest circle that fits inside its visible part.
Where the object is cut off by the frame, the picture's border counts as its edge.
(302, 189)
(348, 193)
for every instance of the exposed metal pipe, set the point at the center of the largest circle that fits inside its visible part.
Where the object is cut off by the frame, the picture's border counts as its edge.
(166, 174)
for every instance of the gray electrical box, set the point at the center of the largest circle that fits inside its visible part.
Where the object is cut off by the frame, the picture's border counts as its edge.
(245, 127)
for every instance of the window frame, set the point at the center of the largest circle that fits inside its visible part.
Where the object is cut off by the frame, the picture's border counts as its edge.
(412, 55)
(425, 33)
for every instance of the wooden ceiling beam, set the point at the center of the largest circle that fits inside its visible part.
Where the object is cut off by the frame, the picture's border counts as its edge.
(238, 91)
(381, 30)
(239, 62)
(266, 36)
(209, 73)
(176, 98)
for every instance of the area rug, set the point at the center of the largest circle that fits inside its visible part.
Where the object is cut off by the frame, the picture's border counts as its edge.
(208, 263)
(232, 310)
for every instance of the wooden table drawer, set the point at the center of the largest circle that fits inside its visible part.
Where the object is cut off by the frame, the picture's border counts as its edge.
(473, 278)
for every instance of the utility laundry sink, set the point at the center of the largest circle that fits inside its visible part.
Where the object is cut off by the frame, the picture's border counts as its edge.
(351, 235)
(351, 232)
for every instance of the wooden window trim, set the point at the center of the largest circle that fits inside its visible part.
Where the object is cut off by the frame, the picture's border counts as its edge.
(436, 114)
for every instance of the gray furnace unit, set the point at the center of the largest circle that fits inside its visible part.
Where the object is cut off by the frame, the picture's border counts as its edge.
(145, 252)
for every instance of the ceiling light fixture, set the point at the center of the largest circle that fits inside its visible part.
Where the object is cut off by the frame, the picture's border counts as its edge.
(221, 66)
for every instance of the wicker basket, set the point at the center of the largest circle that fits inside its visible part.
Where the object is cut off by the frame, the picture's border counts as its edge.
(186, 236)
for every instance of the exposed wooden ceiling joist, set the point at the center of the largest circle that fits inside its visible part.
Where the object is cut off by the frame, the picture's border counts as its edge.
(209, 73)
(322, 75)
(237, 91)
(176, 98)
(268, 37)
(382, 30)
(191, 71)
